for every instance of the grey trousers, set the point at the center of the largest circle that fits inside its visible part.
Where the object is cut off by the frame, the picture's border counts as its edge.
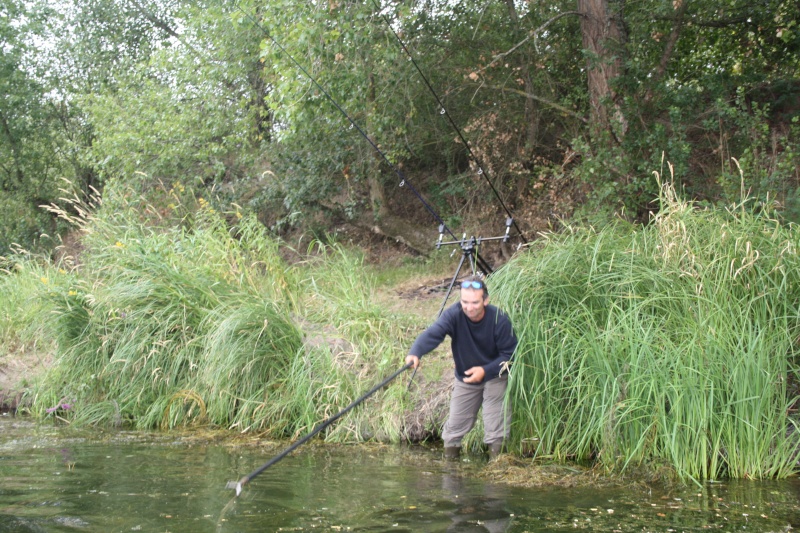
(465, 403)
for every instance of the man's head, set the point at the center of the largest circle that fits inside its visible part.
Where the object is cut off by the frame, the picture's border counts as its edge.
(474, 297)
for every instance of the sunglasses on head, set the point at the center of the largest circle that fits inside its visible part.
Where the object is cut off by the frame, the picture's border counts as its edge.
(472, 285)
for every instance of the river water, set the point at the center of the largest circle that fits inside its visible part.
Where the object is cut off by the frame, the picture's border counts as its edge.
(58, 480)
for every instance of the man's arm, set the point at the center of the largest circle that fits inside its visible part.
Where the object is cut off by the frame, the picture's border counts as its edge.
(429, 339)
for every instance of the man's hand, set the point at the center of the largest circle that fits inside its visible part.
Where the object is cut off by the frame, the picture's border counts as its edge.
(474, 374)
(414, 360)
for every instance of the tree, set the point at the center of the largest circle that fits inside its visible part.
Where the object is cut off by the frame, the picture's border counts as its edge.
(562, 106)
(191, 111)
(328, 65)
(28, 164)
(603, 45)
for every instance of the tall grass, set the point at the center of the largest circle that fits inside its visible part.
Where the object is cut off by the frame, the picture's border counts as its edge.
(340, 297)
(168, 325)
(175, 316)
(672, 343)
(23, 279)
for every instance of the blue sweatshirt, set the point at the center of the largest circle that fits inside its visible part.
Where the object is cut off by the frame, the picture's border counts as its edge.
(488, 343)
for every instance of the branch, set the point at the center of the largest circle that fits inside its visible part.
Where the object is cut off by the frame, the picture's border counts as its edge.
(673, 39)
(542, 100)
(7, 171)
(532, 33)
(157, 22)
(163, 26)
(13, 145)
(721, 23)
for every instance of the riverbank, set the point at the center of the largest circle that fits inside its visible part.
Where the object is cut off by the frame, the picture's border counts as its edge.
(19, 367)
(665, 347)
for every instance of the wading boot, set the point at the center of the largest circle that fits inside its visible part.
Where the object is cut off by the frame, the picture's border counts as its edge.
(495, 449)
(451, 453)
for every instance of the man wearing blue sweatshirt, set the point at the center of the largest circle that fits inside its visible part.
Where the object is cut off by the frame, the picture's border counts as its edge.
(483, 341)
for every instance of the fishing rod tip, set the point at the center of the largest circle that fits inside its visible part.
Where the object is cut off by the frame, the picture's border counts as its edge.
(237, 485)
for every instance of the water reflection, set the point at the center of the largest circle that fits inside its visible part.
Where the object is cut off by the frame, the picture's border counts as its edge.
(52, 480)
(481, 511)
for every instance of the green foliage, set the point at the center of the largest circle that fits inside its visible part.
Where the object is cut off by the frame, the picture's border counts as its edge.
(669, 343)
(702, 83)
(23, 279)
(173, 318)
(187, 110)
(28, 164)
(160, 91)
(766, 154)
(320, 158)
(163, 314)
(21, 223)
(95, 43)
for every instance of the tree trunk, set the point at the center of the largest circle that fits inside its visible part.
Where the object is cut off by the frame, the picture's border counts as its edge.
(603, 42)
(531, 112)
(17, 178)
(377, 194)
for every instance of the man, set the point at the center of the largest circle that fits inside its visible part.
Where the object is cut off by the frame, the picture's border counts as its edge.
(483, 342)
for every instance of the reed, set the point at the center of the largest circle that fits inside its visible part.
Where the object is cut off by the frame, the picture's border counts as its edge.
(157, 310)
(670, 343)
(666, 343)
(167, 324)
(22, 279)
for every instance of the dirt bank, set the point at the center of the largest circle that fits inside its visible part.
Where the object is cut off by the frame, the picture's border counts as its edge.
(19, 365)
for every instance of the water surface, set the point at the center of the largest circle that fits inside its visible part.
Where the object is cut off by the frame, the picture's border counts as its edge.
(56, 479)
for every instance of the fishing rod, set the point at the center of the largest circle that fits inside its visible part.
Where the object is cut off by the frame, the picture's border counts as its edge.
(477, 161)
(237, 485)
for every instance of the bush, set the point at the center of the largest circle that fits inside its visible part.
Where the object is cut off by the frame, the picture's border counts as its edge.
(21, 224)
(174, 318)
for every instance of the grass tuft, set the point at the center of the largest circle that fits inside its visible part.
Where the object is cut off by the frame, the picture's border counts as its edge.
(668, 343)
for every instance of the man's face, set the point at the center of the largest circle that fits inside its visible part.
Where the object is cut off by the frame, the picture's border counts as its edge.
(473, 303)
